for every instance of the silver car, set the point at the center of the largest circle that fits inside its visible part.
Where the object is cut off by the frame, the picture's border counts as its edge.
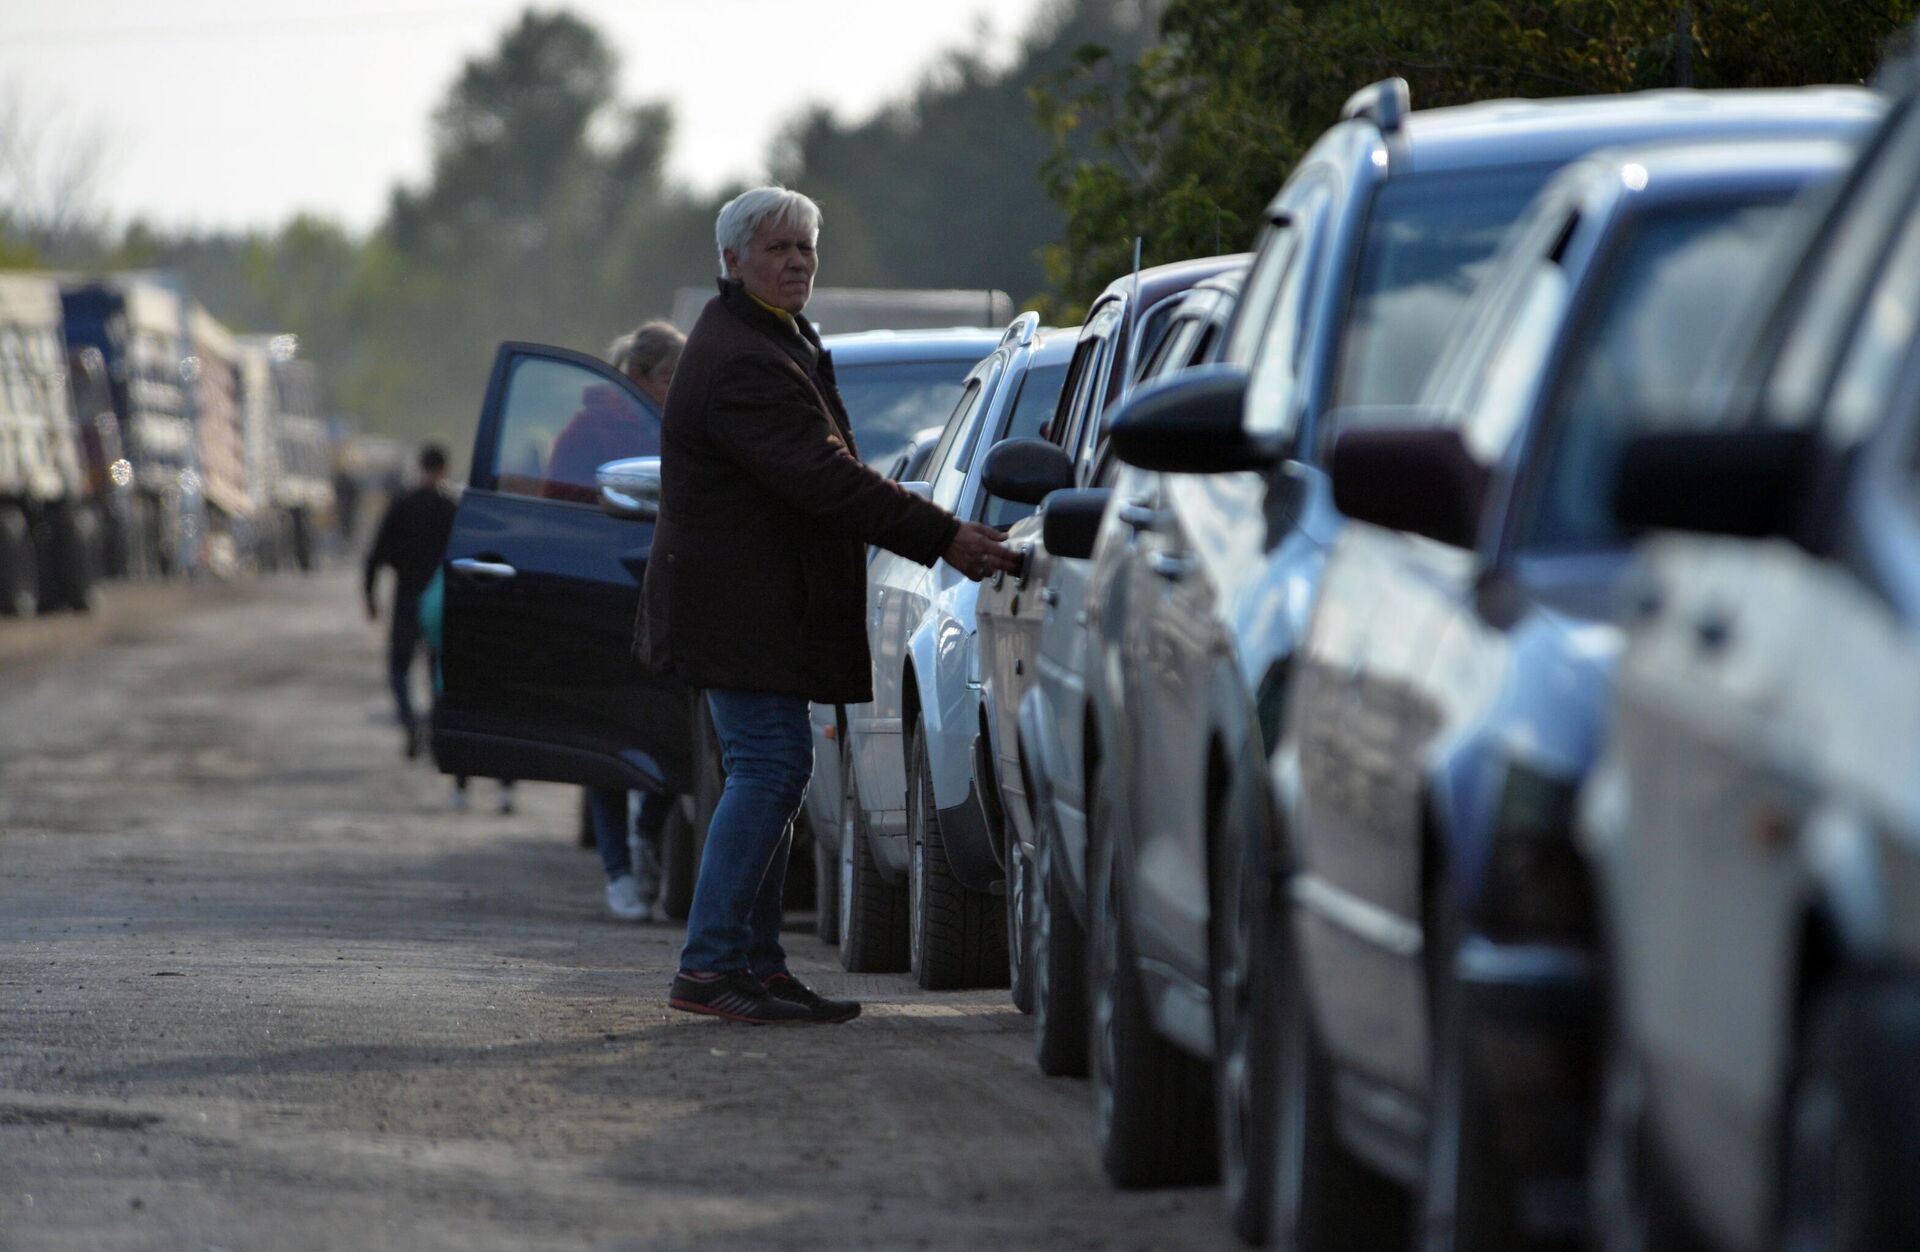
(918, 867)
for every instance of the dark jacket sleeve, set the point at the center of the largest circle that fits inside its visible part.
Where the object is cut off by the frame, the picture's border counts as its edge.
(769, 423)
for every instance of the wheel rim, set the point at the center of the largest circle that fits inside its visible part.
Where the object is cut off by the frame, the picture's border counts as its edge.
(915, 904)
(1043, 942)
(849, 831)
(1017, 917)
(1236, 1059)
(1106, 1045)
(916, 854)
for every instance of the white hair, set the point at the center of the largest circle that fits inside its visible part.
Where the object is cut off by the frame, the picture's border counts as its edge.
(743, 216)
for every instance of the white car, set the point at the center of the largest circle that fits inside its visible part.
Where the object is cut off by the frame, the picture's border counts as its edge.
(919, 873)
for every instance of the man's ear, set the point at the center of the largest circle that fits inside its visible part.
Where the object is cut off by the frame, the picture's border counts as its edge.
(732, 259)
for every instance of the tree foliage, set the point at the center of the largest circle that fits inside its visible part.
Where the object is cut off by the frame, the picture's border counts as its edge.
(1185, 143)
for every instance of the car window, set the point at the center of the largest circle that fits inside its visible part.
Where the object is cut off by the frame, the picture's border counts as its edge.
(1035, 402)
(1165, 348)
(559, 422)
(1512, 369)
(888, 401)
(949, 466)
(1154, 335)
(1087, 376)
(1884, 338)
(1275, 299)
(1429, 240)
(1641, 360)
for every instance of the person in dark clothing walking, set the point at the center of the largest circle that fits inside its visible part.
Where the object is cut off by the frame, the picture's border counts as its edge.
(756, 590)
(412, 539)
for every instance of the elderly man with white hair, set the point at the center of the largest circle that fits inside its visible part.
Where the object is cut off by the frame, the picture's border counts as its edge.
(756, 587)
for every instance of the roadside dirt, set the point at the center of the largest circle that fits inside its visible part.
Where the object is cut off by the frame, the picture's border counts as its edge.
(260, 988)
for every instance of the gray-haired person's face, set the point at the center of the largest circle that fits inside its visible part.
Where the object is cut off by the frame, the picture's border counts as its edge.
(779, 265)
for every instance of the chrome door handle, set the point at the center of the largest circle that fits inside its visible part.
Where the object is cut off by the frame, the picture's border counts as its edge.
(492, 571)
(1170, 567)
(1049, 596)
(1137, 515)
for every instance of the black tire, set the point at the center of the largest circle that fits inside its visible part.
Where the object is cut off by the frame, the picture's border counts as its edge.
(799, 891)
(1059, 960)
(956, 937)
(873, 911)
(1323, 1197)
(584, 835)
(1632, 1203)
(1470, 1193)
(19, 566)
(680, 850)
(1246, 1026)
(73, 542)
(1853, 1122)
(826, 892)
(1153, 1103)
(1018, 902)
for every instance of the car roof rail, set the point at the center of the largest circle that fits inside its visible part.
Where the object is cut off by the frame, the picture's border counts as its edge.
(1385, 104)
(1021, 330)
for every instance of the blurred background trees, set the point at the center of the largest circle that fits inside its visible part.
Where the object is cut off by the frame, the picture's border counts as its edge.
(548, 213)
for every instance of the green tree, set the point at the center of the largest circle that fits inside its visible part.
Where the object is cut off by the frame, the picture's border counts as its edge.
(1184, 143)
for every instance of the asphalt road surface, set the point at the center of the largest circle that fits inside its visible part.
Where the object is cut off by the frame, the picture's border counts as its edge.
(261, 988)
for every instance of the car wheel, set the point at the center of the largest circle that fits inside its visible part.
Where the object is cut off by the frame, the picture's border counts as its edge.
(1019, 911)
(1632, 1204)
(1323, 1197)
(873, 911)
(1853, 1122)
(1059, 961)
(1246, 1026)
(66, 559)
(1153, 1103)
(584, 836)
(1469, 1197)
(956, 937)
(826, 892)
(19, 567)
(679, 860)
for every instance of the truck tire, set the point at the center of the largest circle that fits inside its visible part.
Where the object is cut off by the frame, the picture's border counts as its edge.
(67, 567)
(956, 937)
(19, 568)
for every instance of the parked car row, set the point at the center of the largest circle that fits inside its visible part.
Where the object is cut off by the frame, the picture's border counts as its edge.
(1280, 737)
(1361, 780)
(139, 437)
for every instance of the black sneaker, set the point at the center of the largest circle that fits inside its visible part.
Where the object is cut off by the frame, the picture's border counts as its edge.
(827, 1012)
(736, 996)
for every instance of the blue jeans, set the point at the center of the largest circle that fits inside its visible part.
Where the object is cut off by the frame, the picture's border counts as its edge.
(608, 807)
(766, 744)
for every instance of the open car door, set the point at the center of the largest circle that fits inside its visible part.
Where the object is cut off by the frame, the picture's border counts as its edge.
(542, 583)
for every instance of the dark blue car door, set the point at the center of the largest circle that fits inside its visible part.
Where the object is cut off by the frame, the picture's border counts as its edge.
(542, 586)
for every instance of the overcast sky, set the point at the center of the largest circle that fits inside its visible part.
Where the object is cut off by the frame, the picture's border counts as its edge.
(240, 112)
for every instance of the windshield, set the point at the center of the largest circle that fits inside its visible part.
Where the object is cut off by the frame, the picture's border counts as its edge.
(1429, 240)
(1660, 326)
(889, 401)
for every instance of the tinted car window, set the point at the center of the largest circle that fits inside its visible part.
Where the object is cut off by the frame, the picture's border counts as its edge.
(1644, 356)
(1875, 361)
(889, 401)
(950, 460)
(560, 422)
(1429, 240)
(1035, 403)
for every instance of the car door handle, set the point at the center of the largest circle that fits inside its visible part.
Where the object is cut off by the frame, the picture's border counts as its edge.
(1170, 567)
(1049, 596)
(1137, 515)
(490, 571)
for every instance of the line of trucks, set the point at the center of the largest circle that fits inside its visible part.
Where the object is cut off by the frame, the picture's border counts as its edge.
(141, 438)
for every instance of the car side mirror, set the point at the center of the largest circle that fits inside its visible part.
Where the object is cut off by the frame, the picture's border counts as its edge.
(1070, 520)
(630, 488)
(1748, 483)
(1026, 470)
(1192, 423)
(917, 488)
(1417, 477)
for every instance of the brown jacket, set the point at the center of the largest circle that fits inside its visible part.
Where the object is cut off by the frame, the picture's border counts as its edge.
(758, 576)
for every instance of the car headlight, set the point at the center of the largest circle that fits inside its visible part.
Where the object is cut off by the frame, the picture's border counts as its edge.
(1536, 887)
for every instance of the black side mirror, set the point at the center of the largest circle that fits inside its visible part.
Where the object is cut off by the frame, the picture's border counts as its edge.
(1026, 470)
(1069, 521)
(1416, 478)
(1748, 483)
(1191, 424)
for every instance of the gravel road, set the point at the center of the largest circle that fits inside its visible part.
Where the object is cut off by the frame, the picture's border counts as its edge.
(260, 988)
